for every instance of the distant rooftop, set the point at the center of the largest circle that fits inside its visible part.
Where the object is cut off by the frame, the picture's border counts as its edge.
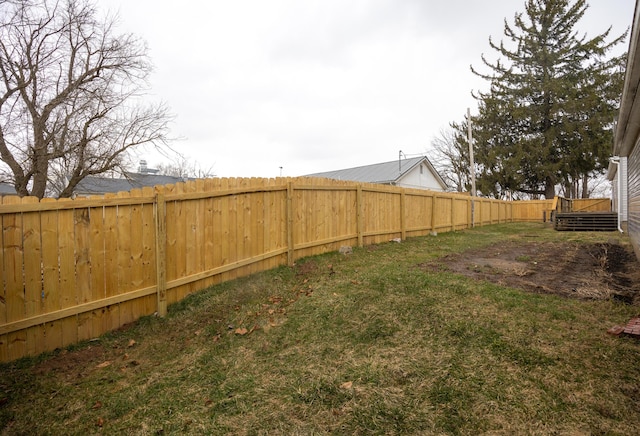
(384, 173)
(7, 189)
(94, 185)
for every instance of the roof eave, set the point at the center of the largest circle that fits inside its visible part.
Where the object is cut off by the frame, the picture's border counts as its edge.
(626, 130)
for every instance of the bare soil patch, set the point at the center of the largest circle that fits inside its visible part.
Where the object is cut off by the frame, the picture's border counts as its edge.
(587, 271)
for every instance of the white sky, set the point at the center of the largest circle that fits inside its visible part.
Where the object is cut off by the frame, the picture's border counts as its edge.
(319, 85)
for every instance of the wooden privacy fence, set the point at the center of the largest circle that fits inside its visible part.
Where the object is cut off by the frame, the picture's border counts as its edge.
(72, 270)
(564, 205)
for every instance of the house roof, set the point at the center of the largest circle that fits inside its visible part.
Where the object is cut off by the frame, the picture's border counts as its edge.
(384, 173)
(100, 185)
(627, 128)
(7, 189)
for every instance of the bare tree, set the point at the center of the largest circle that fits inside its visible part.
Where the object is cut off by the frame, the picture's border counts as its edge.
(185, 168)
(451, 157)
(69, 95)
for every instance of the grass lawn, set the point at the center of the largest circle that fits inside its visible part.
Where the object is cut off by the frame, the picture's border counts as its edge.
(368, 343)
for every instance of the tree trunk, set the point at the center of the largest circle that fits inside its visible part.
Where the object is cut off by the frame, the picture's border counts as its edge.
(585, 186)
(549, 189)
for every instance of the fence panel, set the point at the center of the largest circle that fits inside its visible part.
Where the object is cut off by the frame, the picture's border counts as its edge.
(418, 212)
(591, 205)
(381, 217)
(460, 213)
(442, 220)
(532, 210)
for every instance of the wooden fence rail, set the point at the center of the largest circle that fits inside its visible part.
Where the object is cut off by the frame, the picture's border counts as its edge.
(71, 270)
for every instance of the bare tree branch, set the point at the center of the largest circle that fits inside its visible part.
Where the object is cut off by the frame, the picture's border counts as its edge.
(67, 95)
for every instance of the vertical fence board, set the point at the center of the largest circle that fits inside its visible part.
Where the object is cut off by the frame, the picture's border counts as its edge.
(139, 305)
(125, 264)
(215, 239)
(149, 303)
(200, 224)
(208, 245)
(97, 260)
(171, 265)
(13, 278)
(32, 245)
(258, 246)
(82, 238)
(223, 230)
(190, 237)
(68, 284)
(50, 275)
(182, 227)
(235, 236)
(243, 224)
(270, 222)
(161, 217)
(111, 314)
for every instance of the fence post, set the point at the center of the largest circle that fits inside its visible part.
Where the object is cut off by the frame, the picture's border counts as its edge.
(403, 218)
(290, 247)
(433, 212)
(161, 253)
(490, 212)
(359, 215)
(453, 213)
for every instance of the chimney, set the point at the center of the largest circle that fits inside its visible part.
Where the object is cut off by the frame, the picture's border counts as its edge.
(142, 169)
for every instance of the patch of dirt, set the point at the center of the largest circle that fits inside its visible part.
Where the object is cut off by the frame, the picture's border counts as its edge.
(586, 271)
(67, 363)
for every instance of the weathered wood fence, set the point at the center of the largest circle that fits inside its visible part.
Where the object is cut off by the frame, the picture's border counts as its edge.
(71, 270)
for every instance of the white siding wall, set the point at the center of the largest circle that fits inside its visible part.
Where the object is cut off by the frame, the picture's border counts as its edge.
(621, 172)
(633, 223)
(420, 179)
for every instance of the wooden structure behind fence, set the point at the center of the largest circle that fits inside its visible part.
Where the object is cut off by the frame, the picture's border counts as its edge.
(71, 270)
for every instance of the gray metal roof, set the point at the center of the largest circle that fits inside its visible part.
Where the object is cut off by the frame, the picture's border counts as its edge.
(384, 173)
(100, 185)
(7, 189)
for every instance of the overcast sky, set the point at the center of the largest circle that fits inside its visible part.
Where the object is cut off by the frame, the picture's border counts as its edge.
(261, 88)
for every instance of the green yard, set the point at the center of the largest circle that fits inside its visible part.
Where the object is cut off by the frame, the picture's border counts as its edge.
(386, 340)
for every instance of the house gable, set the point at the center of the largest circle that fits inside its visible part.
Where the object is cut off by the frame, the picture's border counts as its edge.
(410, 173)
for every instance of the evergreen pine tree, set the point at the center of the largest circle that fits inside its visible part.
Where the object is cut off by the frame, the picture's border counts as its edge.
(548, 114)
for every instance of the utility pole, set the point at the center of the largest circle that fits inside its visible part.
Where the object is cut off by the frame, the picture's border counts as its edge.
(472, 166)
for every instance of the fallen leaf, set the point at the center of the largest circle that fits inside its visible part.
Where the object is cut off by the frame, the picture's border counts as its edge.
(241, 331)
(100, 422)
(103, 364)
(132, 342)
(347, 385)
(98, 405)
